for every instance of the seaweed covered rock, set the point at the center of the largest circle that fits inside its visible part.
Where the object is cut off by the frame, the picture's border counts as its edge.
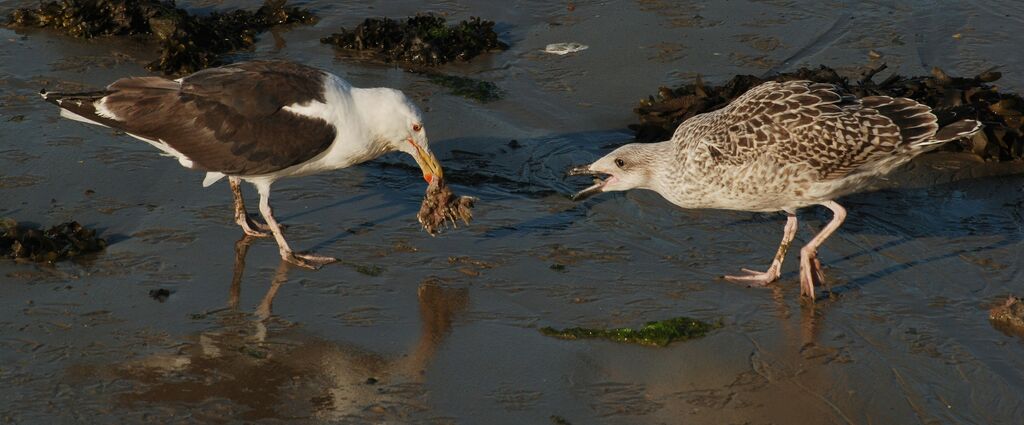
(191, 43)
(441, 207)
(952, 99)
(60, 242)
(188, 42)
(425, 40)
(89, 19)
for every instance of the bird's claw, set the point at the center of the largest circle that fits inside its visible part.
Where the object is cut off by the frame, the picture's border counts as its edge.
(257, 224)
(811, 275)
(309, 261)
(255, 233)
(754, 277)
(253, 228)
(256, 228)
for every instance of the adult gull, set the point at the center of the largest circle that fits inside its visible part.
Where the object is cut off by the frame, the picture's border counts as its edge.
(258, 122)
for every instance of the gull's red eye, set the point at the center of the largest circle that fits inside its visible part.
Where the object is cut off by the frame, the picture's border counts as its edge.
(417, 127)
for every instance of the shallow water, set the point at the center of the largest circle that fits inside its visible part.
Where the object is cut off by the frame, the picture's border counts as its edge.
(447, 332)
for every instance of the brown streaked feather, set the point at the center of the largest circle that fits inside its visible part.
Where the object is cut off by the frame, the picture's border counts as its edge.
(811, 126)
(226, 119)
(917, 123)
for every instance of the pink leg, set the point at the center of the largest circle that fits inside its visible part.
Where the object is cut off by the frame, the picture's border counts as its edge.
(810, 267)
(249, 226)
(756, 278)
(304, 260)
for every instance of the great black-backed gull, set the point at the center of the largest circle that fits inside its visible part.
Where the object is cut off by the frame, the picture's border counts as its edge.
(258, 122)
(779, 147)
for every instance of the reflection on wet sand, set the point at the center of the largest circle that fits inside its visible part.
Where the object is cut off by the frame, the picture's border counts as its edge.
(259, 366)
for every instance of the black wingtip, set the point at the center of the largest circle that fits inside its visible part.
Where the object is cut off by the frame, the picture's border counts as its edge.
(958, 130)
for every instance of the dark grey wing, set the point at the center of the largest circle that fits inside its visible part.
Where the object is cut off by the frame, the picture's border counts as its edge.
(815, 127)
(228, 119)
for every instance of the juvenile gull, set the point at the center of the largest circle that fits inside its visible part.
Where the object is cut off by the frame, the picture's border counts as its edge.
(779, 147)
(258, 122)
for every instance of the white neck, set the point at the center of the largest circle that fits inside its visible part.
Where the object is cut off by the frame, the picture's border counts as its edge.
(359, 135)
(373, 111)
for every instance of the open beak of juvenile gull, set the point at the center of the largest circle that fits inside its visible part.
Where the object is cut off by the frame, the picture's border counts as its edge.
(601, 179)
(630, 166)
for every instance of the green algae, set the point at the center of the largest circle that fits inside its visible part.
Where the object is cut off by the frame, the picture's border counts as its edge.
(558, 420)
(369, 270)
(470, 88)
(425, 40)
(660, 333)
(255, 353)
(188, 42)
(366, 269)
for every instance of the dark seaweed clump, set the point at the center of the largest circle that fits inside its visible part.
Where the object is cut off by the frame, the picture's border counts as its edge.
(60, 242)
(188, 42)
(425, 40)
(952, 98)
(160, 294)
(1009, 315)
(660, 333)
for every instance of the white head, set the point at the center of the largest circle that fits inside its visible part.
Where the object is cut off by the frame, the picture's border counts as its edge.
(396, 121)
(630, 166)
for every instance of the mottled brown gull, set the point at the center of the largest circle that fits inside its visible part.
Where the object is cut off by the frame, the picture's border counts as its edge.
(779, 147)
(258, 122)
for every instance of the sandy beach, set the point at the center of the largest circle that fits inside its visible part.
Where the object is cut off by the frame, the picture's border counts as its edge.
(411, 328)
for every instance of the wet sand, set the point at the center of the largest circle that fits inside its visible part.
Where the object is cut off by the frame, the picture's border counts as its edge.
(447, 332)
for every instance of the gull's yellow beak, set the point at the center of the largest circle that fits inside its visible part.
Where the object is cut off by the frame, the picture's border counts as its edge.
(427, 162)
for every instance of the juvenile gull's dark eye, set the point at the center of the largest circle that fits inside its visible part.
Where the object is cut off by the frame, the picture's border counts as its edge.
(416, 127)
(620, 163)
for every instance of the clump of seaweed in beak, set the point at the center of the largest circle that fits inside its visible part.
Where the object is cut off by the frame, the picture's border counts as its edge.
(441, 207)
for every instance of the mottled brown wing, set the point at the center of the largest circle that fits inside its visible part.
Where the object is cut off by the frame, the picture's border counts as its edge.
(814, 126)
(228, 119)
(916, 122)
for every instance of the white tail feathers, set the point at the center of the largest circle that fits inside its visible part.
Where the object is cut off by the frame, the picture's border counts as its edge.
(211, 178)
(73, 116)
(954, 131)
